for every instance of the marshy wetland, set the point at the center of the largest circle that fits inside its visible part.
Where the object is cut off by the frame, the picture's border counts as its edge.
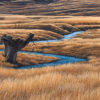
(53, 39)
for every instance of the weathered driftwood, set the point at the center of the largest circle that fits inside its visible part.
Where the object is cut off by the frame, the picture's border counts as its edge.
(13, 46)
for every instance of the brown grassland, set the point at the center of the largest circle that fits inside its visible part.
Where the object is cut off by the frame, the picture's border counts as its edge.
(78, 81)
(59, 7)
(26, 59)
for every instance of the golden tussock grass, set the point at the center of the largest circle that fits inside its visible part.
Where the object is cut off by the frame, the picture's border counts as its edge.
(73, 20)
(59, 7)
(50, 27)
(23, 33)
(25, 60)
(83, 45)
(90, 34)
(78, 81)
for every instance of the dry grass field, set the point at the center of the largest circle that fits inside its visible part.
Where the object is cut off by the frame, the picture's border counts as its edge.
(66, 82)
(82, 45)
(25, 60)
(78, 81)
(59, 7)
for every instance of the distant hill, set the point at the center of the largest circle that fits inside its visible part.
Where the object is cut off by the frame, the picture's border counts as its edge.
(51, 7)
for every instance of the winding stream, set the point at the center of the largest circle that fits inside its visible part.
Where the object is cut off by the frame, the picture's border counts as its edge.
(62, 59)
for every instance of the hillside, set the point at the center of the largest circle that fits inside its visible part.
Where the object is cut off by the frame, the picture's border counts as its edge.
(51, 7)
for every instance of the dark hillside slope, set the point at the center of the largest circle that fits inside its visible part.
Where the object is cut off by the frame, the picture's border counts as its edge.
(51, 7)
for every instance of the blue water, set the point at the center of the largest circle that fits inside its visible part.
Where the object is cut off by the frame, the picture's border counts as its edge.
(65, 37)
(62, 59)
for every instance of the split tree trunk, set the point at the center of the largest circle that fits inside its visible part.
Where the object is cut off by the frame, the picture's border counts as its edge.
(12, 46)
(11, 55)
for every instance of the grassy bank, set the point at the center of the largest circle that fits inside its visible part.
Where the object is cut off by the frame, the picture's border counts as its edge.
(79, 81)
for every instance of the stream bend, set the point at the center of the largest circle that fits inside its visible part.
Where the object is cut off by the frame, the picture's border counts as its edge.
(62, 59)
